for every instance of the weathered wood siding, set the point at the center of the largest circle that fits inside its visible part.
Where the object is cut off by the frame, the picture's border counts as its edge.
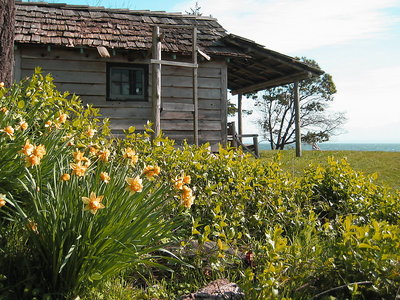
(177, 102)
(85, 74)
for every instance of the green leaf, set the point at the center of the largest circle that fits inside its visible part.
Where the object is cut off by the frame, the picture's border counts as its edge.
(21, 104)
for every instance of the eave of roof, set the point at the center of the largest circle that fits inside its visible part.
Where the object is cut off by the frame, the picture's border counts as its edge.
(265, 69)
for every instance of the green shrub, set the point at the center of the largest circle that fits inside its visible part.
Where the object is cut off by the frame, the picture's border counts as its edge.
(277, 235)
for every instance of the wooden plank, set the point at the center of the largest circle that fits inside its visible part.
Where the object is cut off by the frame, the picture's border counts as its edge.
(78, 77)
(88, 54)
(83, 89)
(212, 115)
(168, 106)
(173, 63)
(62, 65)
(73, 77)
(174, 92)
(125, 112)
(101, 102)
(125, 123)
(203, 135)
(186, 81)
(188, 125)
(206, 104)
(204, 72)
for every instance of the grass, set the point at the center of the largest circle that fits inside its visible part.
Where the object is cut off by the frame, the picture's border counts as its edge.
(385, 164)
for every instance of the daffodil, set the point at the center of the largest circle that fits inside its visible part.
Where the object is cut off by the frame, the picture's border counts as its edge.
(105, 177)
(104, 155)
(178, 183)
(8, 130)
(131, 154)
(134, 185)
(151, 171)
(39, 151)
(23, 125)
(90, 132)
(187, 197)
(62, 118)
(65, 177)
(93, 203)
(2, 200)
(4, 110)
(79, 156)
(32, 160)
(1, 84)
(28, 148)
(186, 179)
(48, 124)
(93, 150)
(78, 169)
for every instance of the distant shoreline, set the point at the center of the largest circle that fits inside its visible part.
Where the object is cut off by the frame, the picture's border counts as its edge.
(385, 147)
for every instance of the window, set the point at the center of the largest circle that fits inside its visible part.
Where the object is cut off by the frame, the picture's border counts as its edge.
(127, 82)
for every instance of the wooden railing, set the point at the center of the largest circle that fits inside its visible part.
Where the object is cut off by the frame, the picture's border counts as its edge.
(236, 140)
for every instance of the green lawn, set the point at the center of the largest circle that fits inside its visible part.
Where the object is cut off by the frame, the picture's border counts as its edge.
(385, 164)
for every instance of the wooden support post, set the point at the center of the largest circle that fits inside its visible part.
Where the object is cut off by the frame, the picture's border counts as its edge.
(195, 89)
(297, 119)
(255, 143)
(240, 117)
(156, 82)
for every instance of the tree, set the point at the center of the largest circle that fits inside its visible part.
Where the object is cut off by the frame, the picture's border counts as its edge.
(7, 23)
(278, 116)
(195, 11)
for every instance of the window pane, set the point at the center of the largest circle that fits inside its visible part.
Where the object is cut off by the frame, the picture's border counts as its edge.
(115, 74)
(115, 88)
(125, 89)
(127, 83)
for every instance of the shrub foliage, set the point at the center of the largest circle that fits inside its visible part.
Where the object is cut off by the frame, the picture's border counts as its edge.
(79, 207)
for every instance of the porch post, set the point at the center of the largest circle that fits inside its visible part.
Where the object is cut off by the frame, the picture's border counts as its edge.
(240, 117)
(195, 89)
(156, 81)
(297, 119)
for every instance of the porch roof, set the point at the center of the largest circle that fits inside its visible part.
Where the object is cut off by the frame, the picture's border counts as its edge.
(263, 68)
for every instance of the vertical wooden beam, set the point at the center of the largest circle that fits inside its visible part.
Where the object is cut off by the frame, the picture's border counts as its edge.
(297, 119)
(156, 81)
(224, 104)
(195, 89)
(240, 117)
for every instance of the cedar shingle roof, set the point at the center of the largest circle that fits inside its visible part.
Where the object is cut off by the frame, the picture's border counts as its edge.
(252, 66)
(85, 26)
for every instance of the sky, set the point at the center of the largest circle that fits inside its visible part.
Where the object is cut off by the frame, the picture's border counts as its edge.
(356, 41)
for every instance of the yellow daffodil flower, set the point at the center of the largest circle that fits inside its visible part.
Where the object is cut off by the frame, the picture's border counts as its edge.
(8, 130)
(134, 185)
(78, 169)
(65, 177)
(2, 200)
(93, 203)
(151, 171)
(105, 177)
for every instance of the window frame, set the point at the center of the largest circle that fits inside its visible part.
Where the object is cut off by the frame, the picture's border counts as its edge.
(143, 67)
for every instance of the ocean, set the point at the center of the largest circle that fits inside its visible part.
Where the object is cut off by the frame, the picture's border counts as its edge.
(387, 147)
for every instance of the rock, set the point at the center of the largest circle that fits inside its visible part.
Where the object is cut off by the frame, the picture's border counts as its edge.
(220, 289)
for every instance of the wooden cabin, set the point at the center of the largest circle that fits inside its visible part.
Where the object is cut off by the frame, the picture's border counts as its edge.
(172, 69)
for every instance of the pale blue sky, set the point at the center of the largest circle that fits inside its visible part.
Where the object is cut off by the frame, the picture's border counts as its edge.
(356, 41)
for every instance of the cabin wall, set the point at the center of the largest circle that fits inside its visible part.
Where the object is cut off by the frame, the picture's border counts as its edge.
(84, 73)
